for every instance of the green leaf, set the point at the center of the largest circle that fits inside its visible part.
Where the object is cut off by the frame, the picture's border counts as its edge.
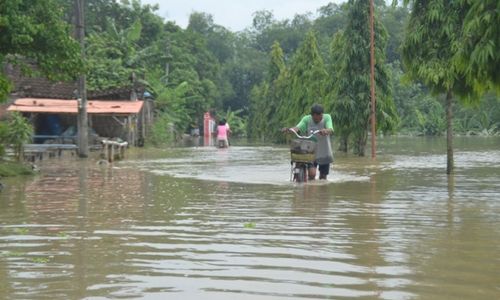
(134, 32)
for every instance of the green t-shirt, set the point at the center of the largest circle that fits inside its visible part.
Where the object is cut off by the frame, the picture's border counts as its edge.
(302, 126)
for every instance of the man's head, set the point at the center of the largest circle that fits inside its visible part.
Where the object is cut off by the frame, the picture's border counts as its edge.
(317, 113)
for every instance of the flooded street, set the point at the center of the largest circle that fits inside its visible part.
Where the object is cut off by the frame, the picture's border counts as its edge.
(201, 223)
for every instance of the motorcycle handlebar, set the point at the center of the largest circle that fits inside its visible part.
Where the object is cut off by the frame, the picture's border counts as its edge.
(302, 136)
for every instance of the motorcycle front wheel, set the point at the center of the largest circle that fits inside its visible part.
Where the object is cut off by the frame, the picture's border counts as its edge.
(300, 174)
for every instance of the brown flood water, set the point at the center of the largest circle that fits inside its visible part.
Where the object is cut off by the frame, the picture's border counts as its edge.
(201, 223)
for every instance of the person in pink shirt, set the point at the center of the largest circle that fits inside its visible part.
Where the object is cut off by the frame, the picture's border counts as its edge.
(223, 131)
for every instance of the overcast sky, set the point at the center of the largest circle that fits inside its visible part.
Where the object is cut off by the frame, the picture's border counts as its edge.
(234, 14)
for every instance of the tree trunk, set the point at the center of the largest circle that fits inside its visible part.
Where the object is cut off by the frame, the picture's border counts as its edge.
(343, 142)
(19, 149)
(360, 143)
(449, 132)
(373, 118)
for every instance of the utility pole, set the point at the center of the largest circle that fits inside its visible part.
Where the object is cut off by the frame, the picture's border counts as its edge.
(83, 123)
(167, 64)
(372, 83)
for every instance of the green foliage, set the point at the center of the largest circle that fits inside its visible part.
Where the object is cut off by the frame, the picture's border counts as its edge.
(477, 54)
(173, 115)
(332, 19)
(5, 87)
(189, 49)
(257, 121)
(250, 225)
(123, 13)
(8, 169)
(483, 119)
(236, 122)
(219, 40)
(266, 77)
(62, 234)
(34, 31)
(16, 132)
(171, 56)
(350, 87)
(113, 55)
(430, 117)
(423, 114)
(14, 254)
(4, 128)
(245, 71)
(306, 81)
(393, 17)
(269, 100)
(22, 231)
(189, 60)
(40, 260)
(20, 132)
(429, 47)
(288, 33)
(435, 47)
(162, 131)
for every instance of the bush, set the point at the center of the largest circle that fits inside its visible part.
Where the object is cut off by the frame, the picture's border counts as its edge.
(162, 131)
(14, 169)
(3, 137)
(16, 132)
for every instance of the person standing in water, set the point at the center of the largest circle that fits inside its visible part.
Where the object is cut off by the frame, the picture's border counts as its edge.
(317, 120)
(223, 131)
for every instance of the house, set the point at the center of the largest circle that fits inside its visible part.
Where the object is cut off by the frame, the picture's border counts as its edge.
(52, 107)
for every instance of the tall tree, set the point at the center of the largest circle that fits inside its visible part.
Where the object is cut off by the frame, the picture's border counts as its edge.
(34, 30)
(289, 33)
(123, 14)
(350, 86)
(332, 18)
(477, 53)
(267, 98)
(189, 60)
(393, 17)
(433, 32)
(243, 72)
(307, 81)
(256, 120)
(219, 40)
(114, 55)
(201, 23)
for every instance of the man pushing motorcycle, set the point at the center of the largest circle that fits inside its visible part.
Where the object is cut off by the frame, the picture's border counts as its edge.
(322, 123)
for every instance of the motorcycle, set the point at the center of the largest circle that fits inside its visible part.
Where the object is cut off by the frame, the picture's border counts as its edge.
(302, 154)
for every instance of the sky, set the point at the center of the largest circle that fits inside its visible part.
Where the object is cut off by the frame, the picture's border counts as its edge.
(235, 15)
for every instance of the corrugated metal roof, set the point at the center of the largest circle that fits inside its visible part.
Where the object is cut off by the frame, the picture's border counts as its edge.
(36, 105)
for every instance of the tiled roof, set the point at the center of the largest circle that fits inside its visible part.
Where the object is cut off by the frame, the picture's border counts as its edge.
(38, 86)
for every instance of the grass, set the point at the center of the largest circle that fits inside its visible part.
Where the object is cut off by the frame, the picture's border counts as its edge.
(62, 234)
(40, 260)
(22, 231)
(13, 254)
(8, 169)
(249, 225)
(37, 260)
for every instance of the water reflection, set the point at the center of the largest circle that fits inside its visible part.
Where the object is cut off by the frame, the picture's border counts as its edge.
(173, 224)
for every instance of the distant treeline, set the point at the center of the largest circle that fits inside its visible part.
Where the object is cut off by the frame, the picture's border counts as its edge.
(266, 76)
